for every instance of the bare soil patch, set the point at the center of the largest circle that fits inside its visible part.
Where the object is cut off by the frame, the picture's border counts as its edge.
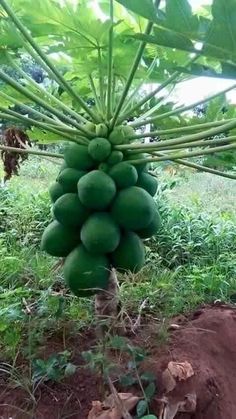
(206, 339)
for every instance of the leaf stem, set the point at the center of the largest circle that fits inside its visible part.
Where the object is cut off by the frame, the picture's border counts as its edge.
(180, 109)
(101, 80)
(200, 167)
(97, 99)
(155, 92)
(185, 155)
(39, 114)
(110, 62)
(30, 95)
(180, 130)
(30, 151)
(136, 90)
(131, 75)
(16, 117)
(184, 139)
(40, 89)
(44, 57)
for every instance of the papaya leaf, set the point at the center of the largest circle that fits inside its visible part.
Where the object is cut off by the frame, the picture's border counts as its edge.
(221, 36)
(43, 137)
(180, 18)
(144, 8)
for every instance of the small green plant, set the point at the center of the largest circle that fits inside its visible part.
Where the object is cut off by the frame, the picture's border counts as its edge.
(101, 362)
(55, 368)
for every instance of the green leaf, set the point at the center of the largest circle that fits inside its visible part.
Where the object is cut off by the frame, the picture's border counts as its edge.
(201, 70)
(221, 36)
(70, 369)
(168, 38)
(141, 408)
(127, 380)
(150, 391)
(148, 376)
(144, 8)
(179, 17)
(43, 137)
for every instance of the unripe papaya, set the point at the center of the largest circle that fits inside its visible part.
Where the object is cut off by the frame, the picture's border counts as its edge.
(101, 130)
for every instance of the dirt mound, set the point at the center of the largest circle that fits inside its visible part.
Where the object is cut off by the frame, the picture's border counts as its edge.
(208, 342)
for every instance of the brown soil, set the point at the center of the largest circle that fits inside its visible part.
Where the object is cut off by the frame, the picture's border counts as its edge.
(206, 339)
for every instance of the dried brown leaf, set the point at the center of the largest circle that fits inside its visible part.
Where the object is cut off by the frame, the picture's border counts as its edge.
(180, 370)
(109, 410)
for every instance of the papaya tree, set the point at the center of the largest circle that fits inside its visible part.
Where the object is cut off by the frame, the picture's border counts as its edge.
(112, 66)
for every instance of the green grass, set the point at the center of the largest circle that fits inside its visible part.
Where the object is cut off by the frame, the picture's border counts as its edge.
(191, 261)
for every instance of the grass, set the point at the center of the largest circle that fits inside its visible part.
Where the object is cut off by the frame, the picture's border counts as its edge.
(190, 262)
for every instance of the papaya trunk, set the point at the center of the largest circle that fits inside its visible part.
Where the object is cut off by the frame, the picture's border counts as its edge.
(107, 306)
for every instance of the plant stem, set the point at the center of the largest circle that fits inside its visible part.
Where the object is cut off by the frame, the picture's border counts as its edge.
(30, 151)
(200, 167)
(101, 80)
(113, 92)
(188, 128)
(179, 109)
(154, 93)
(201, 143)
(131, 75)
(16, 117)
(185, 155)
(44, 57)
(110, 62)
(30, 95)
(136, 90)
(37, 113)
(204, 143)
(184, 139)
(97, 99)
(48, 95)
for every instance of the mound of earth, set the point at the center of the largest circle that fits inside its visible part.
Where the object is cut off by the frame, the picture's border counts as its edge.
(205, 340)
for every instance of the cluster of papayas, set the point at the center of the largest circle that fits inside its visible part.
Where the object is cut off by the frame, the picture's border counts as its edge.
(103, 208)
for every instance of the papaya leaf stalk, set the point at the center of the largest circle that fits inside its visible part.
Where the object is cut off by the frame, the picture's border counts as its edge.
(152, 94)
(179, 130)
(45, 93)
(131, 76)
(31, 151)
(110, 63)
(140, 122)
(184, 139)
(10, 115)
(199, 167)
(173, 156)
